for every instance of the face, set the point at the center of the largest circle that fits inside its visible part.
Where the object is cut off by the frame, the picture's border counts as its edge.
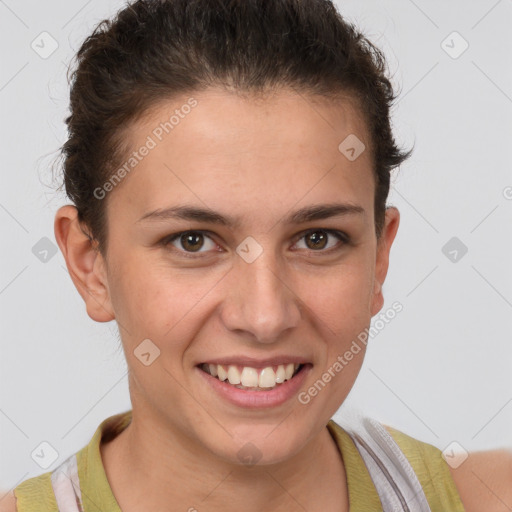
(260, 284)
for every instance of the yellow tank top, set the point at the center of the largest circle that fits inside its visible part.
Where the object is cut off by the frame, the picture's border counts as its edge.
(36, 494)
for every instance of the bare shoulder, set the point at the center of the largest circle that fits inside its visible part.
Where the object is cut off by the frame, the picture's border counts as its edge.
(8, 502)
(484, 481)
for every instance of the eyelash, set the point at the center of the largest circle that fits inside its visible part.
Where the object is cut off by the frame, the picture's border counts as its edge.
(342, 237)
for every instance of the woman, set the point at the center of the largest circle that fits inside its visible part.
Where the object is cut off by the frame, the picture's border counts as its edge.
(228, 164)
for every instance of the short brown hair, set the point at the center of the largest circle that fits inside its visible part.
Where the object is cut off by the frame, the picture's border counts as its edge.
(153, 50)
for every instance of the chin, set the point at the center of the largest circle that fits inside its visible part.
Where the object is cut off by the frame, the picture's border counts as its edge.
(264, 444)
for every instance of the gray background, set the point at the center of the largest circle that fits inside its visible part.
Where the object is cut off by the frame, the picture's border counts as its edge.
(440, 371)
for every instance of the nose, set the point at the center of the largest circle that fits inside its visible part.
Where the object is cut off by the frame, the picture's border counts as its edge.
(260, 301)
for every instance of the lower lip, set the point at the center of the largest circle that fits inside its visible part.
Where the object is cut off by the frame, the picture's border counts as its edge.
(257, 399)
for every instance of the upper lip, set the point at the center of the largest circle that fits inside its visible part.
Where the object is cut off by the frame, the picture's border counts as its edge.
(256, 363)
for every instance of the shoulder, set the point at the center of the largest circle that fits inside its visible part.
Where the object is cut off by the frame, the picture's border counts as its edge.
(431, 469)
(35, 493)
(8, 502)
(484, 481)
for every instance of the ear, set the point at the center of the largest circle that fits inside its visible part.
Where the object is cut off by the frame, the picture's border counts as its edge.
(392, 221)
(85, 264)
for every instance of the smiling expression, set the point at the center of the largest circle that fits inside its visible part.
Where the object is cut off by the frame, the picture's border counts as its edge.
(243, 245)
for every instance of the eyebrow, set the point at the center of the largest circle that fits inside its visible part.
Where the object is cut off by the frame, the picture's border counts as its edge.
(306, 214)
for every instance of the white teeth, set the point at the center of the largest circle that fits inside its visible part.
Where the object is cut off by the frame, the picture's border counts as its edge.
(289, 369)
(267, 378)
(233, 375)
(221, 373)
(280, 374)
(249, 377)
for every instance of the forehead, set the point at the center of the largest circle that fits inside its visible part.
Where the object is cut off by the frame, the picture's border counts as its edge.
(221, 149)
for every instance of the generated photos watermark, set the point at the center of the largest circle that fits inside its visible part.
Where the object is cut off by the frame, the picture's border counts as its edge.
(385, 317)
(151, 142)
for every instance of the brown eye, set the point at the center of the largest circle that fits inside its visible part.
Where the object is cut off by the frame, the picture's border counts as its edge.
(190, 242)
(318, 239)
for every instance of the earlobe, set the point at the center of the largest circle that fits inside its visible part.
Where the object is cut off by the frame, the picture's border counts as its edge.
(85, 264)
(384, 244)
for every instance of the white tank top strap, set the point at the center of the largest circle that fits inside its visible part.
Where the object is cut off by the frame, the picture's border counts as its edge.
(66, 486)
(394, 478)
(396, 482)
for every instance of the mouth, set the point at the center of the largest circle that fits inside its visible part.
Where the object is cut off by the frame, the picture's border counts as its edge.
(249, 378)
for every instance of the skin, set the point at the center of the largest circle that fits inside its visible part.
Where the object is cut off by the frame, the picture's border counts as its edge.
(484, 481)
(259, 160)
(225, 155)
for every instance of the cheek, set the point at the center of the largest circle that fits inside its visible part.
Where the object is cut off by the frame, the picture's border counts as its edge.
(341, 298)
(340, 309)
(155, 301)
(151, 299)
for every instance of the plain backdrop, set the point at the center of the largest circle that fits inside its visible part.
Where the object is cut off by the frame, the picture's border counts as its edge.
(440, 371)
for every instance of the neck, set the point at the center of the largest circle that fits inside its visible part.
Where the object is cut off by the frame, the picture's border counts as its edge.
(147, 455)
